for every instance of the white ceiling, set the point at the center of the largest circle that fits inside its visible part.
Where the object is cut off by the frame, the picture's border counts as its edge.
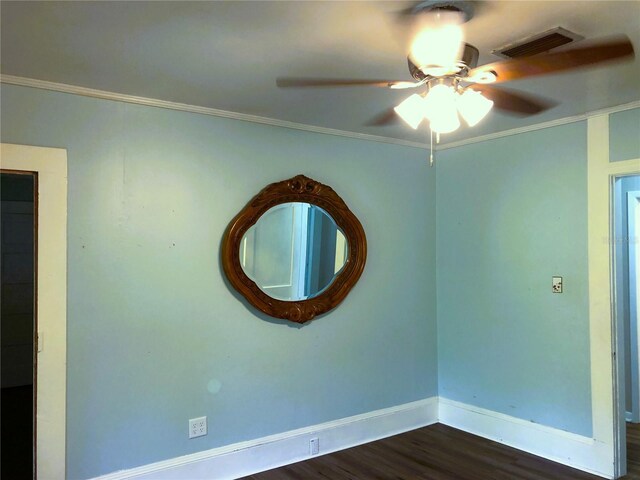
(227, 55)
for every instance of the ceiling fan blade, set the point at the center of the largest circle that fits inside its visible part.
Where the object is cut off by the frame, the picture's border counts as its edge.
(514, 102)
(285, 82)
(547, 63)
(388, 117)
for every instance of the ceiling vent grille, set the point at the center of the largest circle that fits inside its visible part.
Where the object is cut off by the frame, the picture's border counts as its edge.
(534, 44)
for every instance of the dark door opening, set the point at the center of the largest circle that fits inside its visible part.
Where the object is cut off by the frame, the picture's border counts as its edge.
(18, 326)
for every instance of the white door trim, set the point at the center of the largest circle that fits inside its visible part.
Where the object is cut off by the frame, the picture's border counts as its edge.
(51, 166)
(606, 403)
(633, 250)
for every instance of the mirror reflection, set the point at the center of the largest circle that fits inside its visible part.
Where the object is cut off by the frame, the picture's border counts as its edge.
(294, 251)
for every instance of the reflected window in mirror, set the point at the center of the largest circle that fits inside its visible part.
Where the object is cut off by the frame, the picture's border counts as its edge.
(294, 251)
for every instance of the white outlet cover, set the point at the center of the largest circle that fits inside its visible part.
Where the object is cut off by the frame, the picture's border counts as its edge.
(197, 427)
(314, 446)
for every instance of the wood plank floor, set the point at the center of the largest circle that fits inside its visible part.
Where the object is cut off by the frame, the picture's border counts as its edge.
(633, 452)
(438, 452)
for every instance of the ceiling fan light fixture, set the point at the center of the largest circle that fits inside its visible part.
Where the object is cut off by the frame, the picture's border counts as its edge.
(438, 43)
(411, 110)
(473, 106)
(441, 108)
(441, 97)
(445, 121)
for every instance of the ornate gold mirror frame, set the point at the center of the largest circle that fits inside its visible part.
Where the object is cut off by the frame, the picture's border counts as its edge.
(296, 189)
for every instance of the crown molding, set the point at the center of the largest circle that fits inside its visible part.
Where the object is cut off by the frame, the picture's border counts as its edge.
(184, 107)
(152, 102)
(540, 126)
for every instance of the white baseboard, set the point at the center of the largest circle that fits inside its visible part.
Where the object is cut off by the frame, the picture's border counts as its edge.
(246, 458)
(265, 453)
(563, 447)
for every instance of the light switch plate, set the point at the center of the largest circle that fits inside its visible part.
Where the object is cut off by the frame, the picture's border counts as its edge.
(556, 284)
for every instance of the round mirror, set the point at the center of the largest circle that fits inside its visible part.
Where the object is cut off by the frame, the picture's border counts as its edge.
(294, 251)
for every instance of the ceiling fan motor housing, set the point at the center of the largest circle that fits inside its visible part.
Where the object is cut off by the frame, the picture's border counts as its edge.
(469, 59)
(464, 7)
(470, 56)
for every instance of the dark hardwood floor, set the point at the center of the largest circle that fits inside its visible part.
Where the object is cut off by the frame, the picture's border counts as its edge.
(633, 452)
(438, 452)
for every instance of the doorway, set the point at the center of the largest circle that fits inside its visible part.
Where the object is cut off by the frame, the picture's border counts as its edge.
(18, 237)
(626, 257)
(49, 168)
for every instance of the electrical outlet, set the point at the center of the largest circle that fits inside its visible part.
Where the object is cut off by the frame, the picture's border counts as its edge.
(197, 427)
(314, 446)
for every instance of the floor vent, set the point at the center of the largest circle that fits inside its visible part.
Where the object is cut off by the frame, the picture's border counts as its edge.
(534, 44)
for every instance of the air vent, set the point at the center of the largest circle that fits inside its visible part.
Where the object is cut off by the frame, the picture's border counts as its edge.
(534, 44)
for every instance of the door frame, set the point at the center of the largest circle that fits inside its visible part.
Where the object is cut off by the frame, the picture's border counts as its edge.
(50, 165)
(607, 368)
(626, 202)
(632, 202)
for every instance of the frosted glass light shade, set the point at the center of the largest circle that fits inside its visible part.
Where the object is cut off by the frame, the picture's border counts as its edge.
(440, 109)
(445, 122)
(411, 110)
(473, 106)
(439, 42)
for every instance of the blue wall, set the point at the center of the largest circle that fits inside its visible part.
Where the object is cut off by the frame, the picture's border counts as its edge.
(156, 337)
(512, 213)
(624, 135)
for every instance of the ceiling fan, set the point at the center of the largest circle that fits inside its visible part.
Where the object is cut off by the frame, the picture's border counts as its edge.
(450, 84)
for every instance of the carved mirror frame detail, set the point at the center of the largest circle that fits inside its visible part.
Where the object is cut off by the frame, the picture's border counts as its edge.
(296, 189)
